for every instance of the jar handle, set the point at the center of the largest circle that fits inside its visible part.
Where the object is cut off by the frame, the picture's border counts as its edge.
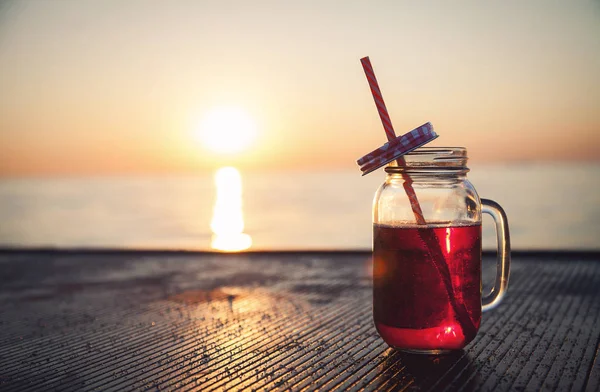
(493, 299)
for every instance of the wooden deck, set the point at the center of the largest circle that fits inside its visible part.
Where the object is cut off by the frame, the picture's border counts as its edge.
(83, 321)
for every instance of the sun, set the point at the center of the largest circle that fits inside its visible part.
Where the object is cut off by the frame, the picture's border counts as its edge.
(226, 130)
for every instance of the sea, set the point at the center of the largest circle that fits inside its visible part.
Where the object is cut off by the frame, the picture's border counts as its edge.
(549, 207)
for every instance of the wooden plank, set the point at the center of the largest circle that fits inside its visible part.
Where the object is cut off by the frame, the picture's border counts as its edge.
(263, 321)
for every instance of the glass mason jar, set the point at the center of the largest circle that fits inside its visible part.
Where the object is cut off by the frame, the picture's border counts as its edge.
(427, 289)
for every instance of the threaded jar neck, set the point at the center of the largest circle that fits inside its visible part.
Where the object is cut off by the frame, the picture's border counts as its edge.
(431, 161)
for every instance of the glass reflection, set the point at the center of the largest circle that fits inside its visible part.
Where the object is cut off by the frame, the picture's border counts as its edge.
(400, 370)
(228, 221)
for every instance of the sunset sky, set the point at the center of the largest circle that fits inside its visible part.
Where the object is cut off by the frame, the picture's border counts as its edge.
(121, 87)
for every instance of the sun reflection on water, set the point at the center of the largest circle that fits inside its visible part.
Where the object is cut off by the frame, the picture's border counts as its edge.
(228, 221)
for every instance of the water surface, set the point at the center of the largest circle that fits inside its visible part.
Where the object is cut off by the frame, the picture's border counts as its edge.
(549, 207)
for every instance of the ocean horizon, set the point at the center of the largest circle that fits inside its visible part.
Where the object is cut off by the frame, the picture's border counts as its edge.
(549, 207)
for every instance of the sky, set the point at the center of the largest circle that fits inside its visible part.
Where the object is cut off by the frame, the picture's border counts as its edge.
(122, 87)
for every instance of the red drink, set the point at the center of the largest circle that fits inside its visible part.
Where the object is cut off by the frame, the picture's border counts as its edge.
(427, 297)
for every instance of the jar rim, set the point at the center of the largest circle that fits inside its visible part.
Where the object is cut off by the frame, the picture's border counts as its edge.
(442, 151)
(432, 158)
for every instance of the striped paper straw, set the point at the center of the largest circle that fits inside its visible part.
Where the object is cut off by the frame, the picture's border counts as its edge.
(391, 135)
(378, 98)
